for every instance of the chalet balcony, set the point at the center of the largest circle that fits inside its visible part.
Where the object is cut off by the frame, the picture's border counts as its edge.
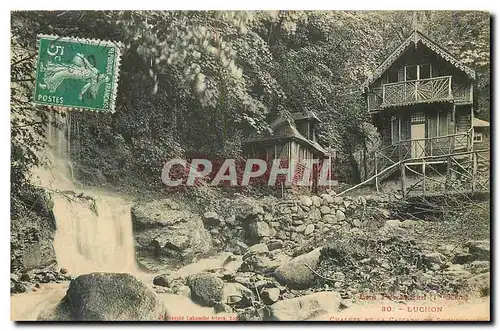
(435, 149)
(436, 89)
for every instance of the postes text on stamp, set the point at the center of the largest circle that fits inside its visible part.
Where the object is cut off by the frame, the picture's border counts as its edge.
(77, 73)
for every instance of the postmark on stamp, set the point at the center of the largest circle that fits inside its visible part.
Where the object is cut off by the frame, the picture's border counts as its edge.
(77, 73)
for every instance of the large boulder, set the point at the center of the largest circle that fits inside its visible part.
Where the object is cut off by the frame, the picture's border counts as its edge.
(105, 297)
(257, 230)
(206, 289)
(160, 228)
(296, 273)
(479, 249)
(305, 307)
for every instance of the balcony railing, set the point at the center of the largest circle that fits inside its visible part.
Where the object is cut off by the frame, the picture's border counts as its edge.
(417, 149)
(417, 91)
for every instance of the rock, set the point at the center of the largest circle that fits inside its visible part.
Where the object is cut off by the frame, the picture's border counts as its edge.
(18, 288)
(300, 228)
(297, 222)
(184, 291)
(326, 199)
(260, 264)
(329, 218)
(237, 294)
(49, 278)
(393, 223)
(314, 214)
(325, 210)
(309, 229)
(257, 248)
(295, 274)
(316, 201)
(105, 297)
(275, 224)
(14, 277)
(433, 258)
(340, 215)
(63, 271)
(479, 249)
(163, 280)
(245, 278)
(457, 271)
(258, 210)
(232, 263)
(479, 267)
(27, 276)
(305, 201)
(275, 244)
(270, 295)
(251, 314)
(258, 230)
(462, 258)
(211, 218)
(305, 307)
(407, 224)
(338, 200)
(357, 223)
(206, 289)
(178, 235)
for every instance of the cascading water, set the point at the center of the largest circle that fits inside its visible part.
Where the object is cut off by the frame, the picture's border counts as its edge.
(94, 229)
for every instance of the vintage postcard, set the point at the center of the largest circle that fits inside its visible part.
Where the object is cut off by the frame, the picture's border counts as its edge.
(234, 166)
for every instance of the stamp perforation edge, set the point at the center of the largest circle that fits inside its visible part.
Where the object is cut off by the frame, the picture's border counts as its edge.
(91, 41)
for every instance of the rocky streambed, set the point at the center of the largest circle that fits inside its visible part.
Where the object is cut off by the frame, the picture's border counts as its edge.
(306, 258)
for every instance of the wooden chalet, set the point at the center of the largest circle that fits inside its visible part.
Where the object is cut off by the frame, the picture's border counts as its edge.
(422, 102)
(291, 140)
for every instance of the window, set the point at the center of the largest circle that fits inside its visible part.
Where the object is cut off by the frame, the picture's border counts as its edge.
(417, 118)
(392, 76)
(478, 137)
(411, 72)
(425, 71)
(437, 123)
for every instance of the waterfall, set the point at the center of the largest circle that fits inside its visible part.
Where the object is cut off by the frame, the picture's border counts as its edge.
(94, 228)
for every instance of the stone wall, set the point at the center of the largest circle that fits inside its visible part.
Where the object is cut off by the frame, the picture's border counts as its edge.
(293, 223)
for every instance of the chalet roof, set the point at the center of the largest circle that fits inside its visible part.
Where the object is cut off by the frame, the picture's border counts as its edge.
(476, 122)
(297, 116)
(285, 131)
(415, 38)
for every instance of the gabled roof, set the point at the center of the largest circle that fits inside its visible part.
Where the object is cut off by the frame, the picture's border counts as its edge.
(284, 130)
(415, 38)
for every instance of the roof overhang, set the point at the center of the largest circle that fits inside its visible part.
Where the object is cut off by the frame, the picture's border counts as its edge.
(414, 39)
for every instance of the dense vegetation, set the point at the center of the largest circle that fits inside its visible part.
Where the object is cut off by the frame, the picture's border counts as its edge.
(198, 83)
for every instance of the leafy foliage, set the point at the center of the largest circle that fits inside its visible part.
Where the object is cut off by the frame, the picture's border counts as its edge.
(198, 83)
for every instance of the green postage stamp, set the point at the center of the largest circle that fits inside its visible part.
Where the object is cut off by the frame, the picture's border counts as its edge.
(77, 73)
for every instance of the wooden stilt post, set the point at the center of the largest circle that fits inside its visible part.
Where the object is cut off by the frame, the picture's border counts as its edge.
(448, 174)
(474, 171)
(403, 179)
(423, 173)
(376, 170)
